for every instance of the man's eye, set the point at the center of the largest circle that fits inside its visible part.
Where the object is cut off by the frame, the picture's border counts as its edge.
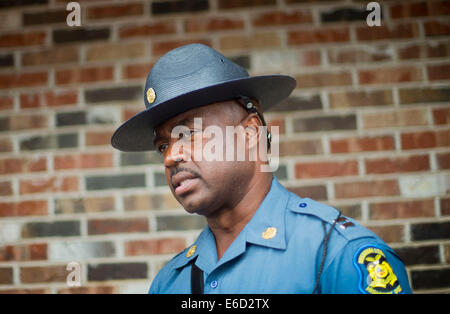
(186, 135)
(162, 148)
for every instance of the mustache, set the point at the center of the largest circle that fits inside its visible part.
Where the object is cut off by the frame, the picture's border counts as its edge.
(176, 170)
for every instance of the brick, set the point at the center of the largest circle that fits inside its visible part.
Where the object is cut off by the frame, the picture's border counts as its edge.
(316, 192)
(79, 250)
(233, 4)
(399, 164)
(254, 41)
(421, 255)
(113, 94)
(24, 252)
(384, 32)
(62, 36)
(119, 271)
(438, 72)
(430, 231)
(24, 208)
(84, 75)
(344, 14)
(23, 122)
(68, 140)
(359, 55)
(445, 206)
(415, 51)
(5, 188)
(149, 29)
(97, 138)
(17, 3)
(43, 274)
(424, 94)
(83, 161)
(401, 209)
(441, 116)
(327, 123)
(22, 39)
(45, 17)
(319, 36)
(154, 246)
(51, 229)
(115, 11)
(6, 102)
(18, 80)
(218, 23)
(395, 118)
(362, 144)
(140, 158)
(363, 189)
(403, 10)
(326, 169)
(150, 202)
(282, 18)
(280, 123)
(5, 145)
(426, 139)
(23, 165)
(84, 205)
(116, 51)
(361, 99)
(30, 101)
(48, 185)
(60, 98)
(54, 55)
(166, 7)
(6, 275)
(108, 226)
(443, 160)
(6, 60)
(180, 222)
(123, 181)
(136, 71)
(300, 147)
(71, 118)
(324, 79)
(389, 75)
(436, 28)
(389, 234)
(430, 279)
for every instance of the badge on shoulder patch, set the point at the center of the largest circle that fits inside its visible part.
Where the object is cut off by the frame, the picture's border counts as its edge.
(377, 276)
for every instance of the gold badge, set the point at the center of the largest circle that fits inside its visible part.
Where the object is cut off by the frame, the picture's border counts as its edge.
(379, 277)
(191, 251)
(269, 233)
(151, 95)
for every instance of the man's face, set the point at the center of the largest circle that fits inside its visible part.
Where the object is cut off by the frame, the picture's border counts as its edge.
(203, 186)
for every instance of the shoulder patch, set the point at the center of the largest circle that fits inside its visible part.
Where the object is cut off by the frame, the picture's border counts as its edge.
(376, 275)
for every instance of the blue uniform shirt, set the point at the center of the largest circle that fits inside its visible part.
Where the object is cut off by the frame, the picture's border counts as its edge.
(280, 251)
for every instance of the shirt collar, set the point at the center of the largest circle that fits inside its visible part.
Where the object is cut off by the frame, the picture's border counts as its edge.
(270, 214)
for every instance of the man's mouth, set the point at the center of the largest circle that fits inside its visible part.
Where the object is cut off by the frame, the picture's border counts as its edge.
(183, 182)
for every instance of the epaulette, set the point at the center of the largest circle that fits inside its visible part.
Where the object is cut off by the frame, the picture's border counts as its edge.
(347, 227)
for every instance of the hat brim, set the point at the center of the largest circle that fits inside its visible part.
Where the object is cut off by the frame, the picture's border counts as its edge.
(136, 134)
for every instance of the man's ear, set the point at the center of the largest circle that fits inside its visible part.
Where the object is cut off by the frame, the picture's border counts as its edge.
(252, 130)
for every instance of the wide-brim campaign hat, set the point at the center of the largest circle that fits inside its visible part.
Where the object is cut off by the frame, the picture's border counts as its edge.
(192, 76)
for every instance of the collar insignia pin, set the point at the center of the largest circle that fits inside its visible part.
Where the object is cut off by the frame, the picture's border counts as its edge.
(269, 233)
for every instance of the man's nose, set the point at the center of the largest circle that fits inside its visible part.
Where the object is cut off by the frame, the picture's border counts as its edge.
(174, 154)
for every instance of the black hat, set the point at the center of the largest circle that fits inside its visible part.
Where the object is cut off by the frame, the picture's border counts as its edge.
(192, 76)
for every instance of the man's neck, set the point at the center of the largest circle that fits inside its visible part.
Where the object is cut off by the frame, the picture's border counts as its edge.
(227, 223)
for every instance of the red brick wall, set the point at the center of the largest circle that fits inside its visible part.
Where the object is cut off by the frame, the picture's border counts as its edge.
(367, 129)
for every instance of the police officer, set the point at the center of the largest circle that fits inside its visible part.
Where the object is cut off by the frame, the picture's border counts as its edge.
(260, 238)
